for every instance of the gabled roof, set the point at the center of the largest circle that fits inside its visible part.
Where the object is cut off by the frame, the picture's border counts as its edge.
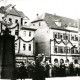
(50, 19)
(13, 11)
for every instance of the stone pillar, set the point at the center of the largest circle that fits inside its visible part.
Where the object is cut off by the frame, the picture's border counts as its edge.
(7, 60)
(0, 57)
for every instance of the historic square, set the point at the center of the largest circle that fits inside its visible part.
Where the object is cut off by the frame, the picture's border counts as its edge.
(46, 47)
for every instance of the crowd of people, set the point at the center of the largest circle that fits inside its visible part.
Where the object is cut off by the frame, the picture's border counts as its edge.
(41, 69)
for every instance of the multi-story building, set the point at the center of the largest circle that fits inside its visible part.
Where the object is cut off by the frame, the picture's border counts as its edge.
(25, 45)
(24, 36)
(56, 37)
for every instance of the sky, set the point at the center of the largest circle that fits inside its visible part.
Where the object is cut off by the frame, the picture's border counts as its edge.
(66, 8)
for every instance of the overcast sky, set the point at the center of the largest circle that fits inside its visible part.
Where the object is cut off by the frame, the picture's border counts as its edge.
(66, 8)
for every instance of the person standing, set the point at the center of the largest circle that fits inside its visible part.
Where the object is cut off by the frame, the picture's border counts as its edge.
(55, 68)
(67, 68)
(71, 67)
(62, 68)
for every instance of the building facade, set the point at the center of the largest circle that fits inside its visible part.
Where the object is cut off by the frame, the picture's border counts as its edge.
(56, 37)
(24, 36)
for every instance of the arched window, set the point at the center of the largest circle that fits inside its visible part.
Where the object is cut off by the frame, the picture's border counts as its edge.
(56, 60)
(61, 61)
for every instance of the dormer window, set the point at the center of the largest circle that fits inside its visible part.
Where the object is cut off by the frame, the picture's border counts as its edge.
(58, 22)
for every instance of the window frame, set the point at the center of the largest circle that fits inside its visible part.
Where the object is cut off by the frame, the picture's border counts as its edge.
(29, 33)
(16, 32)
(24, 47)
(29, 47)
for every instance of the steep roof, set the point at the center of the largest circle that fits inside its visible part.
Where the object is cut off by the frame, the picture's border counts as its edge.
(13, 11)
(50, 19)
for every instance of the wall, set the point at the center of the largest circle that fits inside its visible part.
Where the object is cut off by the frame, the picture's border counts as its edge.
(62, 55)
(29, 40)
(42, 38)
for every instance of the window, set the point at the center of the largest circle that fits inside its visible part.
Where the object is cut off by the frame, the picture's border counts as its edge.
(56, 60)
(60, 49)
(72, 37)
(24, 33)
(72, 51)
(29, 47)
(39, 24)
(24, 46)
(65, 49)
(29, 33)
(16, 32)
(16, 21)
(55, 49)
(10, 19)
(59, 35)
(76, 38)
(65, 36)
(55, 35)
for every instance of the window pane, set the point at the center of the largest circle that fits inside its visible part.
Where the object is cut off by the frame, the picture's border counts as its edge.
(29, 33)
(55, 49)
(24, 47)
(16, 32)
(24, 33)
(39, 24)
(60, 49)
(65, 36)
(16, 21)
(29, 47)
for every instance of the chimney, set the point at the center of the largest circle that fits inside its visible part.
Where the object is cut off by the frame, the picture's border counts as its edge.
(37, 16)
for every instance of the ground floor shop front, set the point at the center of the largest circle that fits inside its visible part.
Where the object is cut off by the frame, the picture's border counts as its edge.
(70, 57)
(23, 59)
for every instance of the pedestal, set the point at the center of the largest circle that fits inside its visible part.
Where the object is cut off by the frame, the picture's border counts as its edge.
(7, 58)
